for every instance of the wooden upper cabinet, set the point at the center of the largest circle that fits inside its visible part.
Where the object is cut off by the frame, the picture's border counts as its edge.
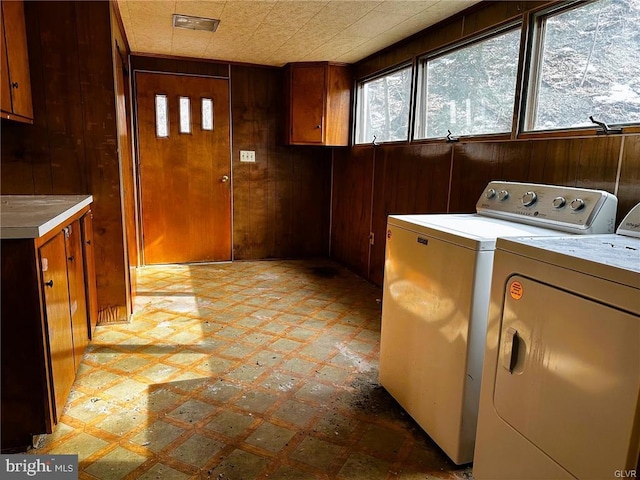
(319, 103)
(16, 83)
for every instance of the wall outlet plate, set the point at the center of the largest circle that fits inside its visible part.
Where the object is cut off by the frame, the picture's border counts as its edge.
(247, 156)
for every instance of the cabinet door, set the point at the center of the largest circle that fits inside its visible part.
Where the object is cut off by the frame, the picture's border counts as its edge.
(308, 91)
(77, 298)
(53, 264)
(18, 59)
(4, 67)
(88, 256)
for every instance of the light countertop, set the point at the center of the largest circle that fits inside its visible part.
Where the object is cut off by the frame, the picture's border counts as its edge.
(32, 216)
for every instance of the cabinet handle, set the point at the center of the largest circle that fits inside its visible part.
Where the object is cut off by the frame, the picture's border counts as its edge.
(14, 84)
(88, 242)
(318, 126)
(49, 283)
(71, 258)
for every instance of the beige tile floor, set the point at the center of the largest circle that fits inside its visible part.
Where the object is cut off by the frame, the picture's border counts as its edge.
(241, 371)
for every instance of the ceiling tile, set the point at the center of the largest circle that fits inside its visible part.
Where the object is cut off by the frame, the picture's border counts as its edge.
(206, 9)
(140, 9)
(288, 14)
(374, 23)
(408, 8)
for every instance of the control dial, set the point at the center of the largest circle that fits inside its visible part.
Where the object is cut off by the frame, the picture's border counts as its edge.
(503, 195)
(559, 202)
(529, 199)
(490, 193)
(577, 204)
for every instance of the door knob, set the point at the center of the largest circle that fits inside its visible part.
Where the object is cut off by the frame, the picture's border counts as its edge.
(224, 179)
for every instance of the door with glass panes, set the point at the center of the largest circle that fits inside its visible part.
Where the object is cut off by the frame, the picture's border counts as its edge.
(184, 167)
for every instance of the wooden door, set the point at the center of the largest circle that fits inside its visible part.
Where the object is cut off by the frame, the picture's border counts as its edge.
(185, 178)
(53, 264)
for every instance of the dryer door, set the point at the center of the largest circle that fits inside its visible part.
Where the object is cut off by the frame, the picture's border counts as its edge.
(568, 377)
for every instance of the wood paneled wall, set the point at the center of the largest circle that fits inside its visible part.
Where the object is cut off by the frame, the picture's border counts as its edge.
(281, 203)
(370, 183)
(426, 178)
(72, 146)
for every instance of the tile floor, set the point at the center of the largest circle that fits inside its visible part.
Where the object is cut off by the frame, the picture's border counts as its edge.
(240, 371)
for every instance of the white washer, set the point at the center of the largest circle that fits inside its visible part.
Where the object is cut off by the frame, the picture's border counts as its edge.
(436, 292)
(561, 380)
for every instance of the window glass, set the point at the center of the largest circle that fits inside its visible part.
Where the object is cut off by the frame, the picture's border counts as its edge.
(383, 108)
(470, 90)
(207, 114)
(162, 116)
(185, 115)
(588, 64)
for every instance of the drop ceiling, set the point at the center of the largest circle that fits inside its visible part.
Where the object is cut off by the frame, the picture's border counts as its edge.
(275, 32)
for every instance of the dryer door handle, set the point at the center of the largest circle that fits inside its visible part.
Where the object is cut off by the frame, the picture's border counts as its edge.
(510, 349)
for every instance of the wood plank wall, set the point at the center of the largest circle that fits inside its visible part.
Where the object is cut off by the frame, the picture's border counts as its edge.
(370, 183)
(72, 146)
(281, 203)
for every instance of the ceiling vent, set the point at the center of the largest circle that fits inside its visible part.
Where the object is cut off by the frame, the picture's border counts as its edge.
(195, 23)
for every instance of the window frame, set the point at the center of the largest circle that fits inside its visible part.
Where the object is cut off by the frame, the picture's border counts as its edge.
(360, 105)
(420, 90)
(529, 86)
(167, 120)
(189, 115)
(202, 115)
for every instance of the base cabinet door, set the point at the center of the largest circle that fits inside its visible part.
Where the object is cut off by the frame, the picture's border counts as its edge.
(59, 336)
(77, 296)
(88, 257)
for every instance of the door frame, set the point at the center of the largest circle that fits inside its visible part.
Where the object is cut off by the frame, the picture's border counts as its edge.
(137, 179)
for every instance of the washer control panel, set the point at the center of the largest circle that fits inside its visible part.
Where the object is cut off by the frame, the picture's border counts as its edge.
(575, 210)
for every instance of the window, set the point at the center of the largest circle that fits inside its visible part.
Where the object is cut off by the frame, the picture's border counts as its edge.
(586, 62)
(185, 115)
(162, 116)
(469, 90)
(383, 108)
(207, 114)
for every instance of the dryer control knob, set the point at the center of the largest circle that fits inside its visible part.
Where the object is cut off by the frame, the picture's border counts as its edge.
(503, 195)
(577, 204)
(559, 202)
(529, 199)
(490, 193)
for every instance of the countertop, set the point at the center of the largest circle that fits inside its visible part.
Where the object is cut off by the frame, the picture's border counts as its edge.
(32, 216)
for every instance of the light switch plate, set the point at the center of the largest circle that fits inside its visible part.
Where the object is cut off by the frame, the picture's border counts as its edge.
(247, 156)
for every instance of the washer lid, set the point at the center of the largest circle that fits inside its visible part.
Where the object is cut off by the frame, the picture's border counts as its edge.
(468, 230)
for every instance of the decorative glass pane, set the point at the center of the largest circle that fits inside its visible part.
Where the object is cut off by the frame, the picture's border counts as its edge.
(185, 115)
(207, 114)
(383, 113)
(162, 116)
(470, 90)
(588, 65)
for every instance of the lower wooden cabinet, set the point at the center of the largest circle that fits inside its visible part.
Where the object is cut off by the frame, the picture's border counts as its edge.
(48, 286)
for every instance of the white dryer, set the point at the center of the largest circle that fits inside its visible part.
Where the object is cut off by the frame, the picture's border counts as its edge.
(436, 293)
(561, 380)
